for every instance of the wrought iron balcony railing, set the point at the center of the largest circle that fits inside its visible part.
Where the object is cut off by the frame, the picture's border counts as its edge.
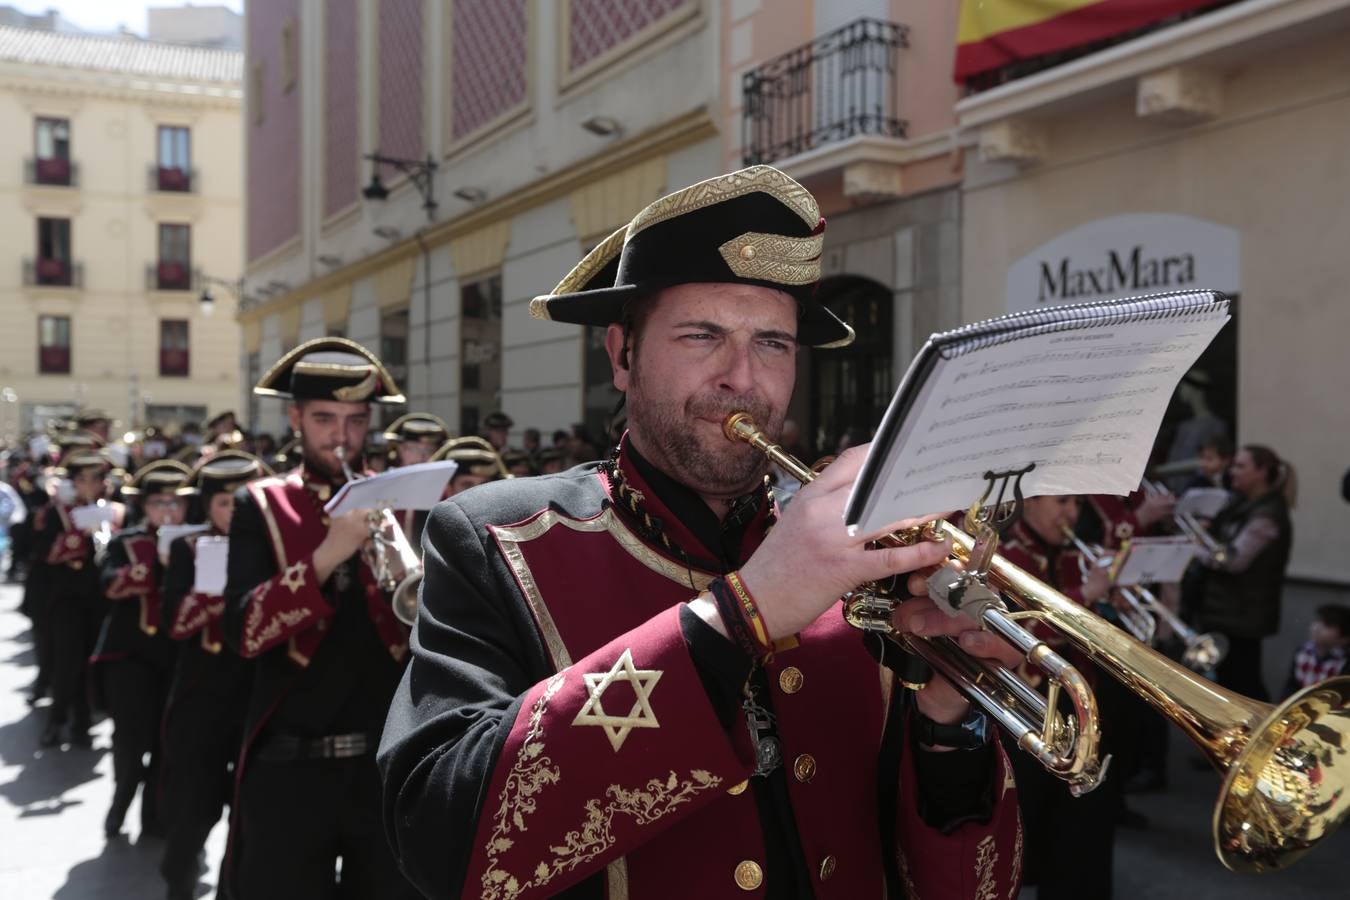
(172, 180)
(52, 272)
(169, 275)
(54, 171)
(840, 85)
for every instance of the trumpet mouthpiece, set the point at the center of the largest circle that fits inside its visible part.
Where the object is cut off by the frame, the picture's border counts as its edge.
(738, 426)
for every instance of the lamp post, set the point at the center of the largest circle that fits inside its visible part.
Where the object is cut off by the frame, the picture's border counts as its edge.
(420, 172)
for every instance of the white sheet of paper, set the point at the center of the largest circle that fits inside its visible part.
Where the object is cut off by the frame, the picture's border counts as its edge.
(1155, 560)
(418, 486)
(88, 518)
(1083, 405)
(1203, 502)
(213, 554)
(169, 533)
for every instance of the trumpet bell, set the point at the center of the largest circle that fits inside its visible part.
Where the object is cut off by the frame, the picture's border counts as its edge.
(1205, 654)
(404, 601)
(1289, 786)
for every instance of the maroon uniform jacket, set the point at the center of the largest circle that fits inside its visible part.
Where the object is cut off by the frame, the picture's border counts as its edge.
(560, 725)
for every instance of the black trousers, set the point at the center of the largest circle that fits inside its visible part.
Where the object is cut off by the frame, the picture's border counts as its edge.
(37, 606)
(71, 628)
(136, 692)
(1241, 669)
(201, 742)
(297, 819)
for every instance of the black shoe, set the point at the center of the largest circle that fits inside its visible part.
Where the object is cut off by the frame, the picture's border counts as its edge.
(51, 736)
(1128, 818)
(80, 737)
(36, 694)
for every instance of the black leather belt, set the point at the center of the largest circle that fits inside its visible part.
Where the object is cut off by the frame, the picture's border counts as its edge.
(289, 748)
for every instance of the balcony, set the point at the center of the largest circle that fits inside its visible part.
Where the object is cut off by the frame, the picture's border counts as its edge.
(53, 360)
(52, 172)
(842, 85)
(174, 363)
(169, 276)
(52, 272)
(172, 180)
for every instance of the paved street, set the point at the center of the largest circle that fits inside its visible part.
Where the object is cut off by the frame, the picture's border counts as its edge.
(52, 805)
(52, 802)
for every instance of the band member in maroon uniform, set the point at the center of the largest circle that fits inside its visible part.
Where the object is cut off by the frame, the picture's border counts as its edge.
(66, 572)
(204, 719)
(1069, 840)
(302, 602)
(414, 437)
(134, 656)
(623, 680)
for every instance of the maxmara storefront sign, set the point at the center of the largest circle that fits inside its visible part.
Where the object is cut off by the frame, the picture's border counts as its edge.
(1122, 256)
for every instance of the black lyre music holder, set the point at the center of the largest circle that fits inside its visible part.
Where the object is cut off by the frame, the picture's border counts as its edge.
(1000, 515)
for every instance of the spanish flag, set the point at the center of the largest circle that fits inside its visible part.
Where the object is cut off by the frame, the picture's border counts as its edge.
(994, 33)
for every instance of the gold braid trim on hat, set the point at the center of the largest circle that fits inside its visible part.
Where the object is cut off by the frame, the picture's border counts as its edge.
(355, 393)
(726, 187)
(576, 280)
(774, 257)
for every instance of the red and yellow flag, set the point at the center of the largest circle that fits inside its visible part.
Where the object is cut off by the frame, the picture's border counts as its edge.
(994, 33)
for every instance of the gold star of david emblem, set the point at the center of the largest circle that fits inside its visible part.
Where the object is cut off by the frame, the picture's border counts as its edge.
(294, 576)
(139, 571)
(640, 716)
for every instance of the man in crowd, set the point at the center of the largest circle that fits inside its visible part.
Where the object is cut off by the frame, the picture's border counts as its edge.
(622, 679)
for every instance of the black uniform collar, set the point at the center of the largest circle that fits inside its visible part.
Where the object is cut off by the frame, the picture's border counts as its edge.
(686, 522)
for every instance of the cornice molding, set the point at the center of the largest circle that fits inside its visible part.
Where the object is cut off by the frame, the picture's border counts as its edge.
(70, 83)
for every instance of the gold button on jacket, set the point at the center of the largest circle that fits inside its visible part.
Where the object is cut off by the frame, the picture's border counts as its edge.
(805, 767)
(749, 875)
(827, 867)
(791, 680)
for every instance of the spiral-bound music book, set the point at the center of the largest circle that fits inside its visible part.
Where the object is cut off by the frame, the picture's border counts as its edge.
(1078, 390)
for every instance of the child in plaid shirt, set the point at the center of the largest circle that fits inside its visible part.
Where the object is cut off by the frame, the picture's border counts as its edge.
(1324, 655)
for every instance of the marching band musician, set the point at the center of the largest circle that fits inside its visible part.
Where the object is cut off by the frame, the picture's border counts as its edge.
(414, 437)
(302, 601)
(1069, 840)
(134, 657)
(65, 573)
(623, 680)
(204, 718)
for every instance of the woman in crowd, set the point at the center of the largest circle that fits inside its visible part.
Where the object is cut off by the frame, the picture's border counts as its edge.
(1242, 594)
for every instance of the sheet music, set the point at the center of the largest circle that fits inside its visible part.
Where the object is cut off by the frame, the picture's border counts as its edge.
(88, 518)
(213, 555)
(1156, 560)
(1202, 502)
(1083, 404)
(167, 534)
(418, 486)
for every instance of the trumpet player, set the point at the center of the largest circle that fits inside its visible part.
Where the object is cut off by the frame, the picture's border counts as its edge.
(623, 679)
(303, 603)
(134, 658)
(67, 602)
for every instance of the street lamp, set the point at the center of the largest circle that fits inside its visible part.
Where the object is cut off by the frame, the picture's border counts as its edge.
(207, 299)
(420, 172)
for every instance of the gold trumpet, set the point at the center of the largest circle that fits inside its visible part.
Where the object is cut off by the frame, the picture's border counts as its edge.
(1286, 768)
(393, 561)
(1203, 652)
(1190, 526)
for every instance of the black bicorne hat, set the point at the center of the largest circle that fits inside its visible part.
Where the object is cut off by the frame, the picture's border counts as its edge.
(219, 419)
(160, 476)
(498, 419)
(82, 457)
(474, 455)
(330, 368)
(223, 473)
(417, 427)
(754, 226)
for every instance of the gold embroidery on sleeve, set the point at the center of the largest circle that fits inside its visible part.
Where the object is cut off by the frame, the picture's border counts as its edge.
(533, 771)
(294, 576)
(1015, 879)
